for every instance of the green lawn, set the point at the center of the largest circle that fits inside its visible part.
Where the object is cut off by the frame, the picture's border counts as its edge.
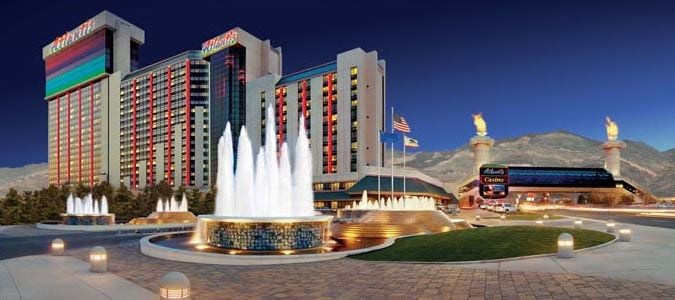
(527, 216)
(484, 243)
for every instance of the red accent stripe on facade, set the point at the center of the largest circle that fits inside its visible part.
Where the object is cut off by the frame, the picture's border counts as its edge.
(68, 139)
(91, 134)
(79, 135)
(329, 77)
(151, 145)
(188, 125)
(58, 141)
(280, 116)
(168, 126)
(304, 100)
(133, 134)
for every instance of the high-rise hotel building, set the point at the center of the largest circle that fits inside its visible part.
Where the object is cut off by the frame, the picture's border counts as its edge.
(164, 123)
(110, 120)
(343, 103)
(84, 68)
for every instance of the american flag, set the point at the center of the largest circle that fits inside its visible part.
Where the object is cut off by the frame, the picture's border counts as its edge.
(400, 124)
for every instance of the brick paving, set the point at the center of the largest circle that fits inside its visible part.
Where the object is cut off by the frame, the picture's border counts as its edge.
(354, 279)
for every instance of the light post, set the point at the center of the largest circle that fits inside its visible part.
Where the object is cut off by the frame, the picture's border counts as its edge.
(565, 245)
(58, 247)
(625, 234)
(174, 285)
(611, 226)
(98, 260)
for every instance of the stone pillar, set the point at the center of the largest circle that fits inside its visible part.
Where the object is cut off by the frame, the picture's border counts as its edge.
(613, 156)
(481, 151)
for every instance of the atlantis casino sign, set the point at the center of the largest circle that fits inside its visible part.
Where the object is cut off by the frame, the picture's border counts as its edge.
(220, 42)
(72, 36)
(494, 181)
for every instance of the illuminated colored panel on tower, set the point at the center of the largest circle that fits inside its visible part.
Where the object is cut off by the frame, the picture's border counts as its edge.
(220, 42)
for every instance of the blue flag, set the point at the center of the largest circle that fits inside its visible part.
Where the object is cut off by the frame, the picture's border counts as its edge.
(390, 137)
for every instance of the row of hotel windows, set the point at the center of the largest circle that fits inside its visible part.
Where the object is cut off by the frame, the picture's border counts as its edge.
(333, 186)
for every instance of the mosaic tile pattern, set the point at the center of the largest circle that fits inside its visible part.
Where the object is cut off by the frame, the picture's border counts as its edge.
(88, 220)
(267, 236)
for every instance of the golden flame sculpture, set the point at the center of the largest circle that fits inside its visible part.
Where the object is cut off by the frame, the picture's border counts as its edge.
(612, 129)
(481, 127)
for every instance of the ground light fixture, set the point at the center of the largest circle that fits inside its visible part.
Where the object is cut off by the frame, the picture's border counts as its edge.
(58, 247)
(578, 223)
(98, 260)
(625, 234)
(565, 245)
(539, 221)
(174, 285)
(477, 217)
(611, 226)
(503, 217)
(545, 216)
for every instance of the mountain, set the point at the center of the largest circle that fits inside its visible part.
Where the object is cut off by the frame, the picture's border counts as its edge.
(670, 153)
(640, 163)
(26, 178)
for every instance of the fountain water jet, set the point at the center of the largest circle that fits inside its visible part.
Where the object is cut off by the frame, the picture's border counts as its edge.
(266, 205)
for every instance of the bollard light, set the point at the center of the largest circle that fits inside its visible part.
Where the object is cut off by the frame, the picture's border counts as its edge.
(503, 217)
(611, 226)
(477, 218)
(539, 222)
(174, 285)
(545, 216)
(578, 223)
(98, 260)
(58, 247)
(565, 245)
(625, 234)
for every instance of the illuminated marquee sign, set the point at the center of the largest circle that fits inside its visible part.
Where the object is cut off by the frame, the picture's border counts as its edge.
(72, 36)
(219, 43)
(494, 181)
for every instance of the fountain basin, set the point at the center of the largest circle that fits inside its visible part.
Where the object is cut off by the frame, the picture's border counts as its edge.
(265, 233)
(88, 219)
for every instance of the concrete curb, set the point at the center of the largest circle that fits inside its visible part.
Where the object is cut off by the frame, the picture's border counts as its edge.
(495, 260)
(161, 252)
(116, 227)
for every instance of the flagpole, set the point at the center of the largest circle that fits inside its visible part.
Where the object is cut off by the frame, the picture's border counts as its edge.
(404, 195)
(379, 168)
(392, 154)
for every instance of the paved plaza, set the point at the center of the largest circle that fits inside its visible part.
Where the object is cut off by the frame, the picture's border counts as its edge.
(642, 269)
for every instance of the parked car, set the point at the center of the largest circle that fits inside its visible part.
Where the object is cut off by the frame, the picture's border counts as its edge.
(506, 208)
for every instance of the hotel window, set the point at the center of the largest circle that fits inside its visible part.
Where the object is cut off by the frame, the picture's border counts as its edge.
(354, 71)
(330, 123)
(304, 102)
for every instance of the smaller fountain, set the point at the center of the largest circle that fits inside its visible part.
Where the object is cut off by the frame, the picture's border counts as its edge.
(168, 211)
(87, 211)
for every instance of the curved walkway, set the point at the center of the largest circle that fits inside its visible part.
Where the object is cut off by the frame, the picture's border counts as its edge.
(648, 257)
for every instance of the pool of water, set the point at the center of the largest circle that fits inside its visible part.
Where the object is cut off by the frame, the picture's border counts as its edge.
(181, 241)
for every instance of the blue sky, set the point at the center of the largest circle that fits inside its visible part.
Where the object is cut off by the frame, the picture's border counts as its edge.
(528, 66)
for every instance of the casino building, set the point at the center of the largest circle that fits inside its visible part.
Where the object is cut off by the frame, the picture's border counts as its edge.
(84, 68)
(110, 120)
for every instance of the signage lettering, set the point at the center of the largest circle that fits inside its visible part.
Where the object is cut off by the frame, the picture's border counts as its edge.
(219, 43)
(72, 36)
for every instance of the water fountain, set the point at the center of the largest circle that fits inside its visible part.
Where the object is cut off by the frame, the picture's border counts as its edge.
(87, 211)
(168, 211)
(266, 205)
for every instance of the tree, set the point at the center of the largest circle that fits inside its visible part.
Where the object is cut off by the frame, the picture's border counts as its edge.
(10, 207)
(122, 203)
